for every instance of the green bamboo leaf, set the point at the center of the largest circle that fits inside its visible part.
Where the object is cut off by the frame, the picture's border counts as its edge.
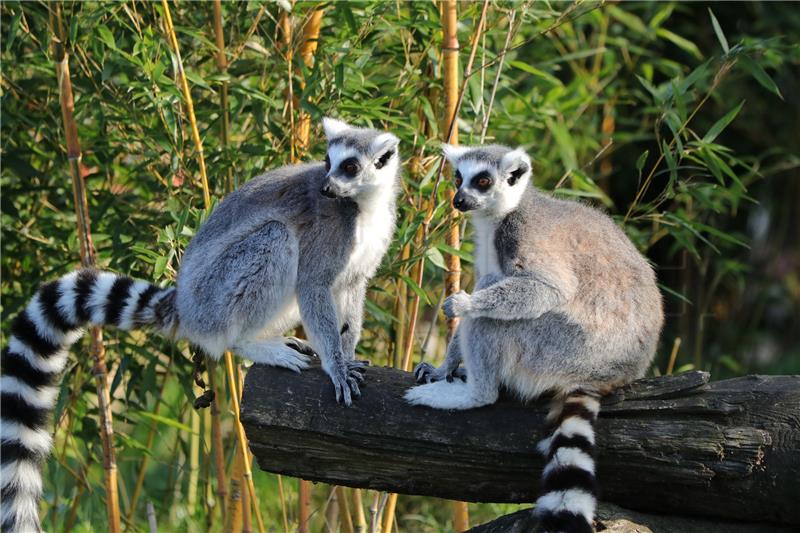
(416, 288)
(641, 160)
(718, 30)
(525, 67)
(761, 76)
(722, 123)
(435, 257)
(681, 42)
(464, 256)
(166, 421)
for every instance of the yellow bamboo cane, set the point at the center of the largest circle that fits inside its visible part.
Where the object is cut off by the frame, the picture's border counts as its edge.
(170, 30)
(88, 259)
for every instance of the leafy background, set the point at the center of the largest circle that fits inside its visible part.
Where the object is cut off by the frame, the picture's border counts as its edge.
(678, 119)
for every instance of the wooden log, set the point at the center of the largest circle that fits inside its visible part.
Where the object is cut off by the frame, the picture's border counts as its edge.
(614, 519)
(728, 449)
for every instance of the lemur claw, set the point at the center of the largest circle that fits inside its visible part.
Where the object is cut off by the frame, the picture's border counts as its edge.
(427, 373)
(346, 379)
(423, 371)
(459, 373)
(301, 346)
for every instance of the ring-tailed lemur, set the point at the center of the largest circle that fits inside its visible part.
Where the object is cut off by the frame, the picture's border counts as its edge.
(295, 245)
(564, 303)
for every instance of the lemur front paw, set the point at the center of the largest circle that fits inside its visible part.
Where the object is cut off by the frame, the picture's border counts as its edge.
(301, 346)
(346, 377)
(457, 304)
(427, 373)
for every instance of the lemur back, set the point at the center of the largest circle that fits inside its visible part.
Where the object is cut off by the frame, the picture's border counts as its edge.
(569, 307)
(287, 248)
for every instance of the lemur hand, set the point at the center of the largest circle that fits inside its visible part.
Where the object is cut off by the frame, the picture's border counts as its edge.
(427, 373)
(346, 376)
(457, 304)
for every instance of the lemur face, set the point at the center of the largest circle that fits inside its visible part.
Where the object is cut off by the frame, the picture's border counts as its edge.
(490, 179)
(359, 161)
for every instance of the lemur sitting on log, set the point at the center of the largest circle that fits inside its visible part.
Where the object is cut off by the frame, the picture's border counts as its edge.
(563, 304)
(295, 245)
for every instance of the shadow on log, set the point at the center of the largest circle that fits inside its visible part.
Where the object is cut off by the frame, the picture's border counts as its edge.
(728, 449)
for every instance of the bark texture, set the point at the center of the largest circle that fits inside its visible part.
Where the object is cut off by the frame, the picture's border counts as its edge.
(728, 449)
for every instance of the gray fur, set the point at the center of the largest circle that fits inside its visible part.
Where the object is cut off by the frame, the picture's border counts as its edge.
(564, 301)
(277, 253)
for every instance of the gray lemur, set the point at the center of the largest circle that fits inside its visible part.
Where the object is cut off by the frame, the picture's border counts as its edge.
(564, 303)
(295, 245)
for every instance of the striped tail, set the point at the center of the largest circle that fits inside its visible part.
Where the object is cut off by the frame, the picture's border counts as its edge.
(32, 363)
(569, 486)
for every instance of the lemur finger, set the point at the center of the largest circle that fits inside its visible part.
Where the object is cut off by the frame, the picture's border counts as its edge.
(346, 395)
(357, 376)
(459, 373)
(301, 346)
(354, 388)
(358, 363)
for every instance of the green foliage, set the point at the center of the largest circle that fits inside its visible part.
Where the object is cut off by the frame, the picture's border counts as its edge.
(664, 114)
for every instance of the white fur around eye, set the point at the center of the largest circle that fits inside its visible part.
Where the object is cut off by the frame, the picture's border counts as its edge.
(338, 153)
(470, 167)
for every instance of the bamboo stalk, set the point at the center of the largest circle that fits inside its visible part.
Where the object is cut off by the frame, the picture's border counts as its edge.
(187, 95)
(243, 450)
(88, 259)
(332, 512)
(360, 518)
(308, 47)
(211, 366)
(374, 519)
(246, 471)
(452, 282)
(233, 522)
(345, 517)
(304, 505)
(449, 45)
(216, 437)
(285, 24)
(282, 497)
(224, 124)
(194, 459)
(247, 502)
(388, 513)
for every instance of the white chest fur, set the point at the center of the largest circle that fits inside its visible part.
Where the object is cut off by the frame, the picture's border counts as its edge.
(486, 261)
(373, 232)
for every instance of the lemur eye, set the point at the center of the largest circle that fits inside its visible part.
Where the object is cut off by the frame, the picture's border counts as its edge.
(350, 167)
(482, 181)
(459, 179)
(327, 163)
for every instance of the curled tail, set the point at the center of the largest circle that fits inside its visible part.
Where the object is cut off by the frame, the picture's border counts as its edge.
(36, 355)
(569, 486)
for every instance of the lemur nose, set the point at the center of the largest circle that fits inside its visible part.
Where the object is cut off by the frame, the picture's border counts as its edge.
(327, 192)
(458, 202)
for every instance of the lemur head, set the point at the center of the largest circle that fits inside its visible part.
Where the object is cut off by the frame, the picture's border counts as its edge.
(490, 179)
(359, 162)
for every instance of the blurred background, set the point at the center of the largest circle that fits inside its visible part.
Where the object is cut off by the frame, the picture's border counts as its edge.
(678, 119)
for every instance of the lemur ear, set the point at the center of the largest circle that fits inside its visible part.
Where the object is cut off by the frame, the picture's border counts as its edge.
(515, 164)
(333, 127)
(383, 148)
(453, 153)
